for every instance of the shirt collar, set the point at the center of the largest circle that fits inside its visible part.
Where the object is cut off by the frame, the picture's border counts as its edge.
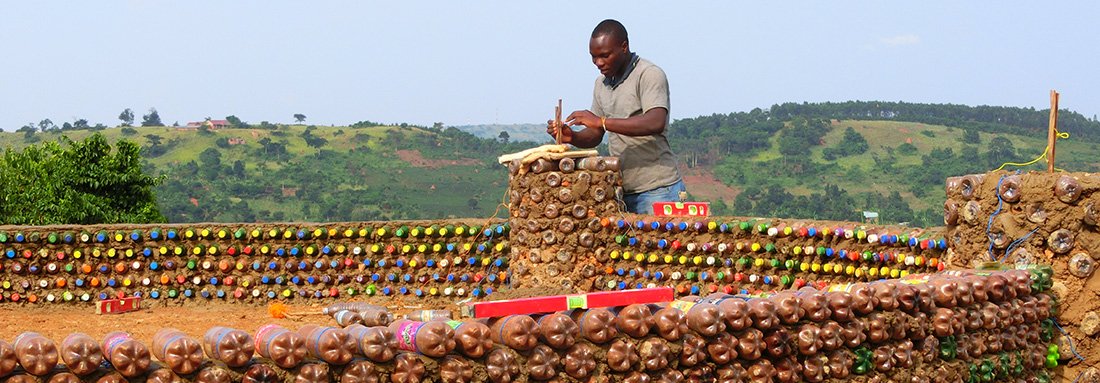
(614, 82)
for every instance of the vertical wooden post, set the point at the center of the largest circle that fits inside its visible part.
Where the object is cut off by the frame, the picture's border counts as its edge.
(557, 123)
(1052, 131)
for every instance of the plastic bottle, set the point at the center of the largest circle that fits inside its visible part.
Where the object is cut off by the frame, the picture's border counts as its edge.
(129, 356)
(36, 353)
(346, 318)
(81, 353)
(377, 343)
(330, 344)
(8, 360)
(433, 339)
(181, 353)
(284, 347)
(231, 346)
(429, 315)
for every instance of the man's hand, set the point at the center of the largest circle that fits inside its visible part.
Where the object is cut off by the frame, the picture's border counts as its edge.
(566, 132)
(586, 118)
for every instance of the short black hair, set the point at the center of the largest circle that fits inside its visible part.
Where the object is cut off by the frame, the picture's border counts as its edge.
(611, 28)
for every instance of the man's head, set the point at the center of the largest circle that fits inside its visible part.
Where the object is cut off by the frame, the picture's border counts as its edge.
(609, 47)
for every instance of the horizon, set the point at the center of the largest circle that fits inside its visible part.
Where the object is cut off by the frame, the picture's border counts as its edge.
(488, 63)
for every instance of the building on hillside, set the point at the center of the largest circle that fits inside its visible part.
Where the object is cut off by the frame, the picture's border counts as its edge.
(236, 141)
(210, 124)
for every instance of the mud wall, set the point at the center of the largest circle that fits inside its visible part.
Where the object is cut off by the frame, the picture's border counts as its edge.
(974, 326)
(255, 264)
(1035, 218)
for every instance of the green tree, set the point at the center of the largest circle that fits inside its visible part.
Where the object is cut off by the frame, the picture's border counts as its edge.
(1001, 150)
(127, 117)
(211, 158)
(46, 125)
(236, 122)
(83, 183)
(298, 117)
(504, 136)
(151, 119)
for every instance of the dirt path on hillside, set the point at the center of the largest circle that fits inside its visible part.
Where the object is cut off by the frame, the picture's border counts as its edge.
(702, 184)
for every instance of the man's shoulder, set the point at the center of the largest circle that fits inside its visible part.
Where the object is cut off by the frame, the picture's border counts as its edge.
(646, 64)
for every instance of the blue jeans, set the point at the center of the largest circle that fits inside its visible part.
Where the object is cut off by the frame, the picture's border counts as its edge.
(642, 203)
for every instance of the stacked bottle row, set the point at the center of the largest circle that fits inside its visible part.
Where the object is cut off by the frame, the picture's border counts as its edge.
(420, 259)
(981, 325)
(747, 256)
(555, 208)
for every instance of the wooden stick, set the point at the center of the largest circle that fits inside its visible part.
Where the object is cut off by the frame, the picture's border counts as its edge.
(1052, 135)
(557, 123)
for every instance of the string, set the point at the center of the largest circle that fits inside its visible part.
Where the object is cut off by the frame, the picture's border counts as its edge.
(1057, 135)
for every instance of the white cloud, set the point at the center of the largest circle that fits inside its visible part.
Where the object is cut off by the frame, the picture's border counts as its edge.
(906, 39)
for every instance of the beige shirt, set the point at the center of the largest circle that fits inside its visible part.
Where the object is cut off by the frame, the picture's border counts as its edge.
(647, 162)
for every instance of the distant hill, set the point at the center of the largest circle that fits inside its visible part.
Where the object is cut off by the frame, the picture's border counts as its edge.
(792, 160)
(516, 132)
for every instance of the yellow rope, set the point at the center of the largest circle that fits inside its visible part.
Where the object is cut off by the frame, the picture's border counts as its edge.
(1061, 135)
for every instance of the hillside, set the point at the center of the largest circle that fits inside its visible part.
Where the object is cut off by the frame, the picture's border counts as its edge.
(750, 163)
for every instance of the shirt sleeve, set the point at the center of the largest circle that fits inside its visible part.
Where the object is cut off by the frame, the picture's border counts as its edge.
(653, 89)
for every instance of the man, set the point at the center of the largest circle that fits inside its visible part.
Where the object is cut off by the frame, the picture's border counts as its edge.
(631, 104)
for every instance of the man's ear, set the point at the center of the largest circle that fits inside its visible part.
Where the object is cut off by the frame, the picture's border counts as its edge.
(626, 46)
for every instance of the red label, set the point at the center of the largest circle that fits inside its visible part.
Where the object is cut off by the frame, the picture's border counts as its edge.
(684, 209)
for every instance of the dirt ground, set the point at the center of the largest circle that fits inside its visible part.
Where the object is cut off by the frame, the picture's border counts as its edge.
(58, 321)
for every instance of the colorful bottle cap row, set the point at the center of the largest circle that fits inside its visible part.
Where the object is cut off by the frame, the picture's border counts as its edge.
(871, 237)
(104, 236)
(744, 246)
(228, 265)
(264, 250)
(791, 263)
(242, 293)
(246, 281)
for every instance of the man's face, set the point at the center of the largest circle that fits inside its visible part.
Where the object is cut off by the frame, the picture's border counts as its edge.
(609, 54)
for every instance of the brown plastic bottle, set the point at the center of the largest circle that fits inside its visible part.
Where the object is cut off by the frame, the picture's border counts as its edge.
(231, 346)
(558, 330)
(359, 371)
(36, 353)
(66, 377)
(346, 318)
(313, 373)
(376, 317)
(472, 338)
(260, 373)
(330, 344)
(519, 332)
(284, 347)
(81, 353)
(181, 353)
(8, 360)
(162, 375)
(129, 356)
(376, 343)
(22, 378)
(433, 339)
(213, 374)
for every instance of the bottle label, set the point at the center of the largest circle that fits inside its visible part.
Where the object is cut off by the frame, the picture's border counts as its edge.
(406, 335)
(682, 305)
(114, 341)
(264, 335)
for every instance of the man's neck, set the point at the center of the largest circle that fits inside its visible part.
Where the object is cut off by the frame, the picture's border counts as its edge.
(624, 71)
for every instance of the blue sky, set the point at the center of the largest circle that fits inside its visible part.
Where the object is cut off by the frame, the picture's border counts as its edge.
(463, 63)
